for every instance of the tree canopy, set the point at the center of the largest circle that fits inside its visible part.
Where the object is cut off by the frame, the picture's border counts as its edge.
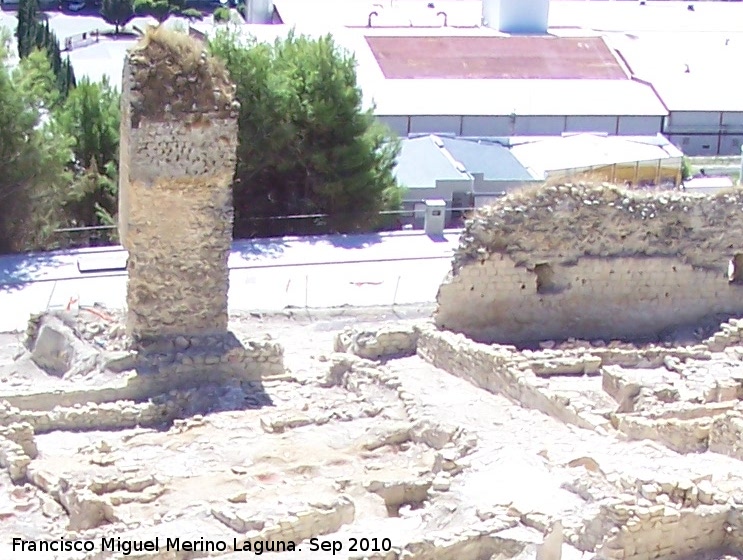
(163, 9)
(306, 145)
(33, 158)
(117, 12)
(32, 33)
(91, 116)
(58, 156)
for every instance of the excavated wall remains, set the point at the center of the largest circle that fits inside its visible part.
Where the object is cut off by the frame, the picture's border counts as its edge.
(595, 262)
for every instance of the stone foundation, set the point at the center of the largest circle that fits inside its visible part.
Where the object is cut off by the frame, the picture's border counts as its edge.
(663, 531)
(702, 422)
(390, 342)
(727, 434)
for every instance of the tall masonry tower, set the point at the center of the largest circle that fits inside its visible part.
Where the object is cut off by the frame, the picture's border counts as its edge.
(177, 159)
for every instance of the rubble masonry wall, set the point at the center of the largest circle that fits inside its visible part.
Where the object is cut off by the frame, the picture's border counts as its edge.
(178, 158)
(496, 300)
(593, 262)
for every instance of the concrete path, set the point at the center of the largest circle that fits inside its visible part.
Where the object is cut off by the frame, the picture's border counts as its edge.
(394, 268)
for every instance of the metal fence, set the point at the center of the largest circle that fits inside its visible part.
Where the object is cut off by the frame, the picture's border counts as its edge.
(72, 42)
(94, 236)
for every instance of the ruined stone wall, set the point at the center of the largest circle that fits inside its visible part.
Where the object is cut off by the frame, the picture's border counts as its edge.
(179, 135)
(593, 262)
(665, 531)
(523, 376)
(735, 528)
(500, 370)
(726, 435)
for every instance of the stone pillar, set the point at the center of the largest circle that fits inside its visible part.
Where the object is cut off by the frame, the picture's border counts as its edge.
(177, 159)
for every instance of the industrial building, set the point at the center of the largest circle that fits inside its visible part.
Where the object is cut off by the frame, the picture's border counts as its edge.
(471, 172)
(691, 74)
(506, 68)
(439, 70)
(635, 161)
(462, 172)
(531, 67)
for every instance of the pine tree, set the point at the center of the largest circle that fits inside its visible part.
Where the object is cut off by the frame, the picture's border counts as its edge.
(321, 152)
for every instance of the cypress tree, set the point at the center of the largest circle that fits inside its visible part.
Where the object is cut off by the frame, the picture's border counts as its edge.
(28, 17)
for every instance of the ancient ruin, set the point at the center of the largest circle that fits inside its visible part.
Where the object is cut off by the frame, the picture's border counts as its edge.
(178, 141)
(578, 393)
(595, 262)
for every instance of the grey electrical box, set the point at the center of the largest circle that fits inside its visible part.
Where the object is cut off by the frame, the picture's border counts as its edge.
(435, 219)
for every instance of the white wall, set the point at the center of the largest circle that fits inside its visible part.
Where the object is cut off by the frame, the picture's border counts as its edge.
(730, 144)
(679, 122)
(639, 126)
(399, 125)
(696, 144)
(486, 126)
(434, 124)
(500, 125)
(443, 189)
(732, 123)
(591, 124)
(536, 126)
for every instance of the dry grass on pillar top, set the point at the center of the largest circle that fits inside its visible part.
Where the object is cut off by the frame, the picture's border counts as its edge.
(174, 75)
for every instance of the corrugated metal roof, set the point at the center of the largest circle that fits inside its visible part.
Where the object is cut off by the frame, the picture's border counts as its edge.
(519, 97)
(586, 150)
(422, 162)
(530, 57)
(655, 16)
(494, 161)
(689, 92)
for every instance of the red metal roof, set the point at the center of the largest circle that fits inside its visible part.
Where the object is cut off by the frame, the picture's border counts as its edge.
(532, 57)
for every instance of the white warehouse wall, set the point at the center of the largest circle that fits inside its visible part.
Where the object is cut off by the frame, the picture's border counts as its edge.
(730, 144)
(639, 126)
(486, 126)
(696, 144)
(521, 125)
(591, 124)
(434, 124)
(679, 122)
